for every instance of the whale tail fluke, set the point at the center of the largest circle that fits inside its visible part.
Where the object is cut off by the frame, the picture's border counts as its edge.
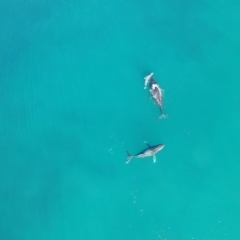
(162, 115)
(129, 157)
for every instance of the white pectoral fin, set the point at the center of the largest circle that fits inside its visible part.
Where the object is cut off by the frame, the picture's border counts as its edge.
(147, 79)
(154, 158)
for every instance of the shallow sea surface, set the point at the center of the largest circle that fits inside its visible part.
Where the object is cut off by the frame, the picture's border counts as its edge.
(72, 101)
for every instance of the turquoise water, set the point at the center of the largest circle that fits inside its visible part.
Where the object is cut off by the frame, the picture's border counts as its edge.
(72, 101)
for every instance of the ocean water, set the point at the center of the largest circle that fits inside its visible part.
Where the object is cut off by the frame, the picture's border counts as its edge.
(72, 101)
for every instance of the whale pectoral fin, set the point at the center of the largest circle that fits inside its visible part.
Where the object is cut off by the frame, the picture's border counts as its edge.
(154, 158)
(150, 94)
(147, 144)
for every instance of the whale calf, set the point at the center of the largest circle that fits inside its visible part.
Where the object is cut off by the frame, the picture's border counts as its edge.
(148, 152)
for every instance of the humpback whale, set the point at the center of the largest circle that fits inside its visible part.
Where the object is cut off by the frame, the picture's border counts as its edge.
(148, 152)
(156, 92)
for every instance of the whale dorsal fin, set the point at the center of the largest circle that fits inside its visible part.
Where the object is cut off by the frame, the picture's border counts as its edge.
(147, 144)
